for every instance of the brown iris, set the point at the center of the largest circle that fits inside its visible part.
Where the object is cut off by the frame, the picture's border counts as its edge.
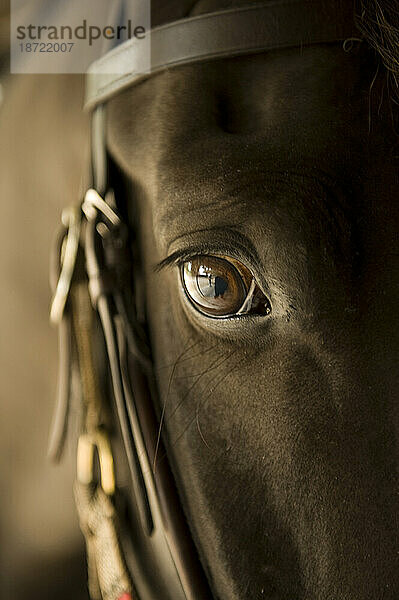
(222, 287)
(214, 285)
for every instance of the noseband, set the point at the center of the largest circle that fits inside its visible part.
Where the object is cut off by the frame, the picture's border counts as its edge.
(149, 554)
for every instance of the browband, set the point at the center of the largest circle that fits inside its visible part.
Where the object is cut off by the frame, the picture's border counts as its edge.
(251, 29)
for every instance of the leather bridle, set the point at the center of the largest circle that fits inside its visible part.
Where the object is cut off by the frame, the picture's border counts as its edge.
(153, 555)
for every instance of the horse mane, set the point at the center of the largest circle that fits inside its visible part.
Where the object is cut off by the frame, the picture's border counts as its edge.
(378, 20)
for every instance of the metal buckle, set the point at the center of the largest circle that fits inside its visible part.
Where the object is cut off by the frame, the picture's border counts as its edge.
(87, 443)
(71, 218)
(93, 202)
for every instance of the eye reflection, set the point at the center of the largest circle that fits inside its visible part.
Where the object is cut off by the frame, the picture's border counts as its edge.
(221, 287)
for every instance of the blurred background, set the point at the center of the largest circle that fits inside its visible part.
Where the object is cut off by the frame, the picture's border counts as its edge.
(43, 145)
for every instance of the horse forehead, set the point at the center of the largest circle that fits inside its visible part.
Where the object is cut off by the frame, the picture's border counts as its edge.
(158, 121)
(271, 91)
(200, 137)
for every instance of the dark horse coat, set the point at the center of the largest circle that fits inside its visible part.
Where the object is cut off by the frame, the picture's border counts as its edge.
(282, 429)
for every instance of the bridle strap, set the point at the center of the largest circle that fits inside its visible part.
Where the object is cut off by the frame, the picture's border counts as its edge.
(252, 29)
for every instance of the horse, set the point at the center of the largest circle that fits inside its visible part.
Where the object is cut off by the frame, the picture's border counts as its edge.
(272, 173)
(280, 425)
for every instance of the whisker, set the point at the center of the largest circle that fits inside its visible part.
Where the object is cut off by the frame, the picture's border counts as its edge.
(207, 370)
(192, 418)
(162, 419)
(189, 423)
(197, 409)
(198, 378)
(199, 429)
(190, 357)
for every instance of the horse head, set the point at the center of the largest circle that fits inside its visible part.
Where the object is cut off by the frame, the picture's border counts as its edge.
(261, 190)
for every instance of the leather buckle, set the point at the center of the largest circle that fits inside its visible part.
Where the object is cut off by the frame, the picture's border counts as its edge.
(87, 444)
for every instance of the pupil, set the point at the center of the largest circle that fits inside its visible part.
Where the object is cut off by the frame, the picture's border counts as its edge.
(220, 286)
(209, 285)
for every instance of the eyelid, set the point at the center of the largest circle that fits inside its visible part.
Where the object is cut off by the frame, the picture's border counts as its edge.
(177, 258)
(218, 241)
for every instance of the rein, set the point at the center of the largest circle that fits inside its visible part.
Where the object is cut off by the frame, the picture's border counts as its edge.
(151, 554)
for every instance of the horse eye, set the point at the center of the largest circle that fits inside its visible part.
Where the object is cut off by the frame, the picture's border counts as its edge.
(221, 287)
